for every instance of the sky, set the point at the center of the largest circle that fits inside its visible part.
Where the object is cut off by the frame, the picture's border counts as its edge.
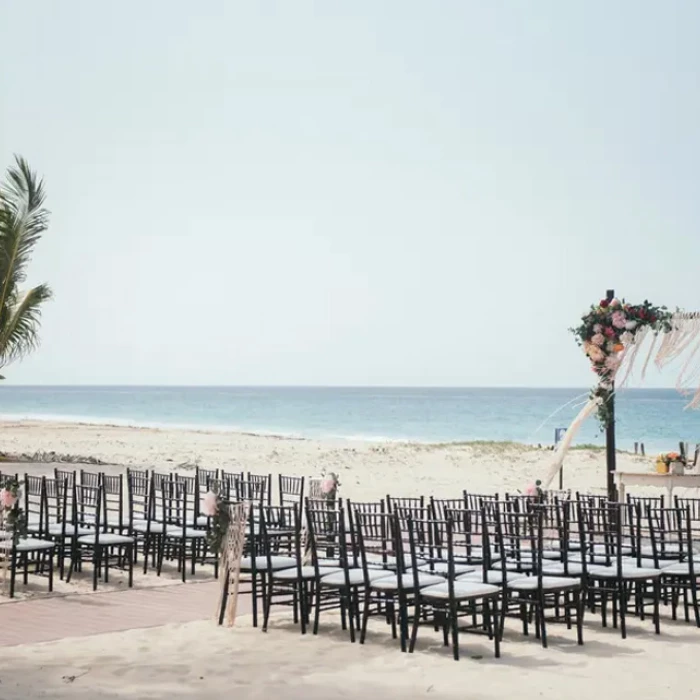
(350, 193)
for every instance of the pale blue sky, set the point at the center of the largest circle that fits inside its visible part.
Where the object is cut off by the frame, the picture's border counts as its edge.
(421, 193)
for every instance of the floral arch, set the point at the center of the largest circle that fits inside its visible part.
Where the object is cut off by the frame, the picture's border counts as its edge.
(616, 336)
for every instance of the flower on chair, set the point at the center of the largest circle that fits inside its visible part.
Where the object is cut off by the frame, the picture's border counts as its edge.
(7, 498)
(210, 504)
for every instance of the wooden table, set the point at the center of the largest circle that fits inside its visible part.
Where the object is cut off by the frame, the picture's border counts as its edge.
(662, 481)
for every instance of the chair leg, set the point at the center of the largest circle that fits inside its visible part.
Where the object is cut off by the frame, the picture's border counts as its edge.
(267, 604)
(416, 622)
(51, 556)
(455, 630)
(365, 616)
(622, 594)
(302, 605)
(580, 603)
(496, 629)
(317, 610)
(95, 567)
(694, 598)
(132, 548)
(657, 598)
(13, 572)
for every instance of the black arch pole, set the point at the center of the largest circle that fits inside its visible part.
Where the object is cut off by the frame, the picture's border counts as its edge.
(610, 431)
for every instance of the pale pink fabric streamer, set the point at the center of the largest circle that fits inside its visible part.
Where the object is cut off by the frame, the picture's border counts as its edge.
(566, 441)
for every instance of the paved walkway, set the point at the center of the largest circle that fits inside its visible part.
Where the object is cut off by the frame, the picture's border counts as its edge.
(48, 619)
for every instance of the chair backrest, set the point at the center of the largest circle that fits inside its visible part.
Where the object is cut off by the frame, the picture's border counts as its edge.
(141, 505)
(279, 533)
(646, 502)
(88, 507)
(326, 532)
(57, 506)
(393, 503)
(90, 478)
(176, 506)
(670, 535)
(376, 536)
(35, 501)
(521, 538)
(260, 488)
(438, 506)
(291, 490)
(416, 532)
(604, 538)
(203, 476)
(474, 501)
(467, 534)
(64, 474)
(113, 500)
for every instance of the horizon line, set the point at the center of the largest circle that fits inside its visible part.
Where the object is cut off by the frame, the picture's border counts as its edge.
(5, 385)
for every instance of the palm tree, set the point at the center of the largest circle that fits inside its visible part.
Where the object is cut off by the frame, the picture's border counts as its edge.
(23, 219)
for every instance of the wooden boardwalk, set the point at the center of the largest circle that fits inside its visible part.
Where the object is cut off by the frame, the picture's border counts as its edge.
(52, 618)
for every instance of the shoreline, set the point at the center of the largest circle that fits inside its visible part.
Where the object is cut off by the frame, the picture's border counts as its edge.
(24, 421)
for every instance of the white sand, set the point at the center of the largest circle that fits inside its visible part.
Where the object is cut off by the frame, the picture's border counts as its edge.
(200, 660)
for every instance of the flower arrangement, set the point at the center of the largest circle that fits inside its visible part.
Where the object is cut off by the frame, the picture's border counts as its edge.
(329, 486)
(214, 507)
(606, 331)
(668, 457)
(10, 509)
(535, 491)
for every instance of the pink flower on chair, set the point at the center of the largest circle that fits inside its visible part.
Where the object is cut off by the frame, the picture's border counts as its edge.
(7, 498)
(531, 490)
(210, 504)
(328, 485)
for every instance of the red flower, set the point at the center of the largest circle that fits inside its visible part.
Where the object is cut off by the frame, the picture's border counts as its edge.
(604, 304)
(641, 313)
(652, 318)
(609, 332)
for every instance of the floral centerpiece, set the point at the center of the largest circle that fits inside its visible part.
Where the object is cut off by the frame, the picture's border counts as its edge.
(214, 507)
(606, 332)
(11, 514)
(667, 460)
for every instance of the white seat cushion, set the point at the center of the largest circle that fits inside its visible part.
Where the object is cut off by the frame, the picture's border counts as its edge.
(202, 521)
(31, 545)
(512, 565)
(549, 583)
(495, 578)
(442, 568)
(391, 583)
(628, 572)
(143, 526)
(306, 572)
(626, 549)
(190, 533)
(670, 549)
(678, 569)
(106, 538)
(557, 569)
(57, 528)
(647, 563)
(277, 562)
(463, 590)
(377, 561)
(355, 576)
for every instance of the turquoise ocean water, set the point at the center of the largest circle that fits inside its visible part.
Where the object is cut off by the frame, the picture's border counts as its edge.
(654, 416)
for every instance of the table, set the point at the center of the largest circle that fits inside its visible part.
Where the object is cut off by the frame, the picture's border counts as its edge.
(662, 481)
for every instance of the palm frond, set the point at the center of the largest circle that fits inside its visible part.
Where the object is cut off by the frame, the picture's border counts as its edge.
(19, 335)
(23, 219)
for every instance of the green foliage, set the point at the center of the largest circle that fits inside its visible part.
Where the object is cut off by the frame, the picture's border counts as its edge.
(23, 220)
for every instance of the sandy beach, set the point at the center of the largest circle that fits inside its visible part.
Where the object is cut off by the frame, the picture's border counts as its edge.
(200, 660)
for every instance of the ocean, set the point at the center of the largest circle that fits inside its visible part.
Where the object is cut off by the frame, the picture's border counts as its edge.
(653, 416)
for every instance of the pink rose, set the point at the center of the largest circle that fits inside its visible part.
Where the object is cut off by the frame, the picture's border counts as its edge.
(598, 339)
(7, 498)
(210, 503)
(596, 354)
(612, 362)
(619, 320)
(328, 485)
(609, 332)
(597, 328)
(531, 490)
(615, 303)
